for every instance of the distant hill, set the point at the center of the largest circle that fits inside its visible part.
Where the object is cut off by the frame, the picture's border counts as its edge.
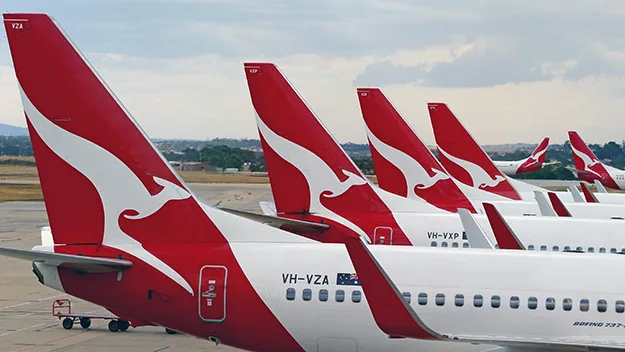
(9, 130)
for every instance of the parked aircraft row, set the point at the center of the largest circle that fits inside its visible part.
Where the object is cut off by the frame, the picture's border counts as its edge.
(342, 264)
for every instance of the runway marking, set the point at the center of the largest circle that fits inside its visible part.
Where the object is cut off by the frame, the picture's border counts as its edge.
(20, 330)
(35, 301)
(59, 339)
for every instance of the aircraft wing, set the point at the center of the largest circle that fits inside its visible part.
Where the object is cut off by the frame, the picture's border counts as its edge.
(282, 223)
(84, 263)
(395, 317)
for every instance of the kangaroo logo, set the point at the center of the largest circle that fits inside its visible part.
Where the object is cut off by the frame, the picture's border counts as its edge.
(414, 173)
(479, 177)
(536, 156)
(120, 190)
(587, 160)
(324, 182)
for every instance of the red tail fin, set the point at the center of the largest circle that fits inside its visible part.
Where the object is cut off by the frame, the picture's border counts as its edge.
(506, 239)
(102, 179)
(582, 155)
(540, 153)
(587, 164)
(463, 158)
(403, 164)
(308, 170)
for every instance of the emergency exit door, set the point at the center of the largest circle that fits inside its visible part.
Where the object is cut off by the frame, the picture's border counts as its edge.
(212, 293)
(383, 235)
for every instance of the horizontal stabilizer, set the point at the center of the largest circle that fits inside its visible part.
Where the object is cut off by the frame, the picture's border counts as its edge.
(282, 223)
(83, 263)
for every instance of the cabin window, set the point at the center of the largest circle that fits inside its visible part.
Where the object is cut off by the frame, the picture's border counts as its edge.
(567, 304)
(459, 300)
(619, 306)
(579, 249)
(434, 244)
(530, 247)
(440, 299)
(550, 303)
(532, 303)
(454, 245)
(422, 299)
(515, 302)
(465, 245)
(356, 296)
(323, 295)
(622, 250)
(495, 301)
(339, 296)
(543, 248)
(602, 305)
(307, 294)
(591, 249)
(407, 297)
(478, 301)
(584, 305)
(567, 248)
(444, 244)
(555, 248)
(602, 250)
(612, 250)
(290, 294)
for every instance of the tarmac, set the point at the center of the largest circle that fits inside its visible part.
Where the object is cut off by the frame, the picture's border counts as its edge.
(26, 322)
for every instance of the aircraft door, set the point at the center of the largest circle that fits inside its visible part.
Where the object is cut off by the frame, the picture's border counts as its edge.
(212, 293)
(383, 235)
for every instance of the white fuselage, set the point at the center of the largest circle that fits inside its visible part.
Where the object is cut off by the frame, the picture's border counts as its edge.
(509, 168)
(507, 274)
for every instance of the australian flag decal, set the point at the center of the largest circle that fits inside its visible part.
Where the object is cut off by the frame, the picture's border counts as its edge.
(350, 279)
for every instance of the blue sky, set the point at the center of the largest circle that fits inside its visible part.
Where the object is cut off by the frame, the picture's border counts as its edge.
(512, 70)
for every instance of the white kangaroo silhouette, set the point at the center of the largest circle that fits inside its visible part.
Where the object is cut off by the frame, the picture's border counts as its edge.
(322, 181)
(414, 173)
(118, 187)
(479, 177)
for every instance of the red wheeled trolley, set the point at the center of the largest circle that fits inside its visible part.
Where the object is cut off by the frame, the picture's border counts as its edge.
(62, 308)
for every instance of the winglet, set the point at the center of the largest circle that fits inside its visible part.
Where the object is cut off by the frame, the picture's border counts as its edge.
(600, 188)
(577, 197)
(391, 312)
(543, 205)
(558, 206)
(590, 197)
(506, 238)
(475, 233)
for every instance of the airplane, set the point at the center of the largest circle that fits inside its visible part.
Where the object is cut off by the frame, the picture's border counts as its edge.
(127, 234)
(565, 317)
(534, 162)
(305, 165)
(467, 162)
(406, 167)
(590, 169)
